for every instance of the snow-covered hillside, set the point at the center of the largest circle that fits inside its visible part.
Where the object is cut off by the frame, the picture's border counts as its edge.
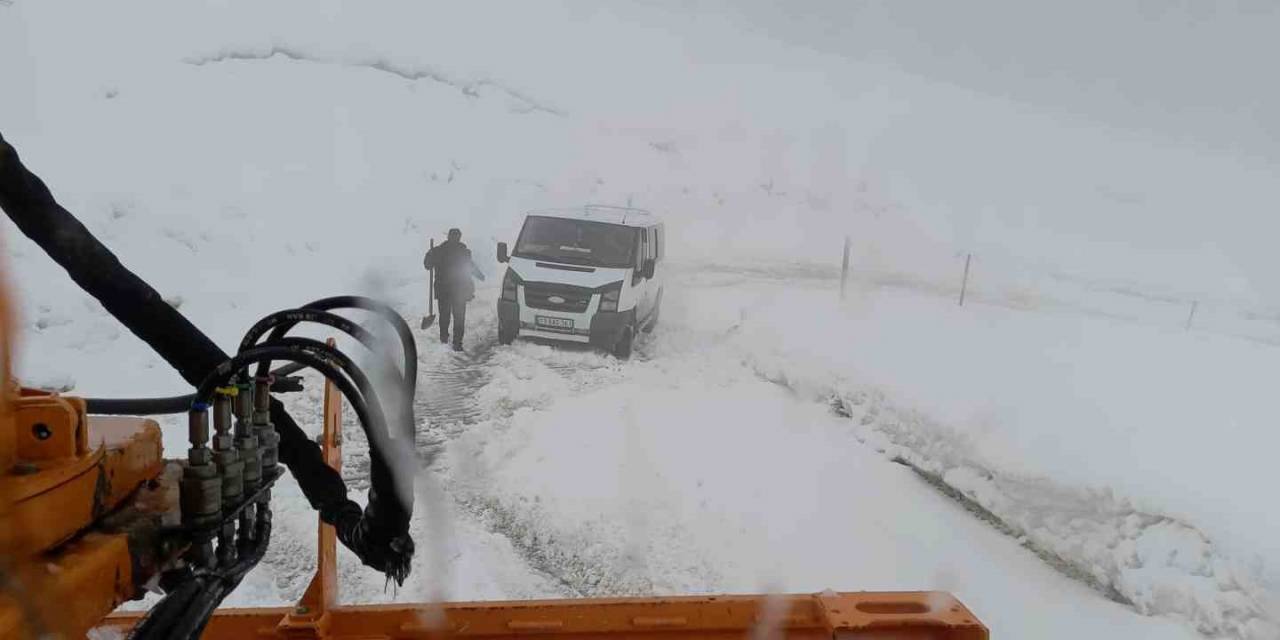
(1061, 444)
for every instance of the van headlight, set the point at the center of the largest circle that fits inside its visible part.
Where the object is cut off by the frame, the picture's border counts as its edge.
(509, 283)
(609, 296)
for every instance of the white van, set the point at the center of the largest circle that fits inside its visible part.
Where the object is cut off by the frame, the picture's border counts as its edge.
(591, 275)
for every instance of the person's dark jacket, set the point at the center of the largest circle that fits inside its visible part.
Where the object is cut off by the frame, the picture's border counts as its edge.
(453, 268)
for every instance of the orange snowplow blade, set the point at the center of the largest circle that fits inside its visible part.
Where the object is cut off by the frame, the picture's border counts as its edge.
(900, 616)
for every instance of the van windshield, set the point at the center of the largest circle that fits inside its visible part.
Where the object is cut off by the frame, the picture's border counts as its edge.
(583, 242)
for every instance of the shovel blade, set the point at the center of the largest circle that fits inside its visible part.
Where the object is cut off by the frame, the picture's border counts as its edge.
(428, 321)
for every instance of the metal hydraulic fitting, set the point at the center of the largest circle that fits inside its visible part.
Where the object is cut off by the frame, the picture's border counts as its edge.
(224, 452)
(200, 491)
(227, 459)
(248, 522)
(268, 439)
(286, 384)
(226, 553)
(246, 441)
(243, 402)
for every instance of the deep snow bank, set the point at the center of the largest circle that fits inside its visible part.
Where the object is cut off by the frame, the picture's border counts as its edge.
(1082, 452)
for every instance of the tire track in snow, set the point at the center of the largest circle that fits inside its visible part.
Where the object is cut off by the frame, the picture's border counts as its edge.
(446, 406)
(840, 408)
(582, 563)
(446, 403)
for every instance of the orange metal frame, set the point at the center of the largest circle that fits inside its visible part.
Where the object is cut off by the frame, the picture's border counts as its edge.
(61, 472)
(883, 616)
(60, 574)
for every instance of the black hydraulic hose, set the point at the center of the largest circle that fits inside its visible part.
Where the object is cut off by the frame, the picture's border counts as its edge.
(342, 360)
(282, 321)
(288, 369)
(166, 614)
(362, 382)
(186, 610)
(250, 554)
(138, 406)
(295, 316)
(31, 206)
(321, 484)
(408, 346)
(159, 406)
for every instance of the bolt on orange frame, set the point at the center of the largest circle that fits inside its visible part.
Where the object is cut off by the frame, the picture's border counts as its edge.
(883, 616)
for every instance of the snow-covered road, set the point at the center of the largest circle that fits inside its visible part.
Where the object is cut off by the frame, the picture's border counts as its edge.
(694, 468)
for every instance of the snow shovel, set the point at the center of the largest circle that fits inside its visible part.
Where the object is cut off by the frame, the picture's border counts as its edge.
(431, 296)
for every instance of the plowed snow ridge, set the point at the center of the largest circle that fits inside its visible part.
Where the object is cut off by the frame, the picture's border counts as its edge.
(1152, 562)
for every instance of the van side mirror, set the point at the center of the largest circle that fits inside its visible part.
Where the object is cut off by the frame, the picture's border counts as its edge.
(648, 269)
(502, 253)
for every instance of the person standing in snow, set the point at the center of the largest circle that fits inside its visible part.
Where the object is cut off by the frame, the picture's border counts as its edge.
(453, 269)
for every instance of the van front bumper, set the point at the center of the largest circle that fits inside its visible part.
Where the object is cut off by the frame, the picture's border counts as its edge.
(604, 330)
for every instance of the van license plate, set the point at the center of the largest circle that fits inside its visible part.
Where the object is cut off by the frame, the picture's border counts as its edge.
(560, 324)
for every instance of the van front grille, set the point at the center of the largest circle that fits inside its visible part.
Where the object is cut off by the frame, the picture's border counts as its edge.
(556, 297)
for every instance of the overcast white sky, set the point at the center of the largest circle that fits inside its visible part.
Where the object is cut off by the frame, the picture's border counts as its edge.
(1196, 71)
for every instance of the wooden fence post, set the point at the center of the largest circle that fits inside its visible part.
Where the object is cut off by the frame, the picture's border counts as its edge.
(844, 267)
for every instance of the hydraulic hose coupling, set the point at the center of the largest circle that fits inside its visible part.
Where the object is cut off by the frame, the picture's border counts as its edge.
(200, 492)
(225, 455)
(243, 402)
(246, 441)
(227, 459)
(268, 439)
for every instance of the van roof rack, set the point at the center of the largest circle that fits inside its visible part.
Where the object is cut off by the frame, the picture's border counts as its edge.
(629, 216)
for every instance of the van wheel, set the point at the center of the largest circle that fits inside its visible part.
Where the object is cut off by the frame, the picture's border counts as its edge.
(506, 335)
(622, 349)
(653, 317)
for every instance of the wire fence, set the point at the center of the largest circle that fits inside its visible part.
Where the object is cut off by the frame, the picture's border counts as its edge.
(975, 279)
